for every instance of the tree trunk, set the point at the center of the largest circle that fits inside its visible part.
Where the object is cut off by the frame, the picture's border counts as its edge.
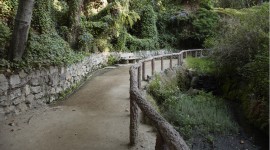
(21, 29)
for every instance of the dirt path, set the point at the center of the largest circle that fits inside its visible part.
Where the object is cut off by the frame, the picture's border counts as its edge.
(96, 117)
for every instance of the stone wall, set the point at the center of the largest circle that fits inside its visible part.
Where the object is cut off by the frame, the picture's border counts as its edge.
(147, 54)
(23, 90)
(144, 54)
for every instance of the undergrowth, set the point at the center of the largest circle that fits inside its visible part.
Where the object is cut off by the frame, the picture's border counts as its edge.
(45, 50)
(192, 115)
(201, 65)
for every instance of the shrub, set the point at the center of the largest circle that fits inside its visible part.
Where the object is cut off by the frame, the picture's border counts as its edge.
(192, 115)
(112, 60)
(204, 23)
(47, 49)
(241, 52)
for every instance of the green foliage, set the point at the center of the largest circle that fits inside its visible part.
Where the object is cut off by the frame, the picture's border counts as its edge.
(8, 9)
(148, 23)
(5, 34)
(101, 45)
(135, 44)
(241, 51)
(60, 13)
(109, 26)
(182, 80)
(201, 65)
(204, 23)
(167, 30)
(243, 37)
(42, 20)
(129, 19)
(85, 41)
(121, 41)
(192, 115)
(198, 115)
(208, 4)
(146, 32)
(183, 29)
(162, 89)
(138, 4)
(47, 49)
(96, 28)
(112, 60)
(231, 3)
(236, 4)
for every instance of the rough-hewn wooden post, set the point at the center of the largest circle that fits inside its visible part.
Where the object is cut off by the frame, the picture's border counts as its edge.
(196, 54)
(201, 53)
(134, 113)
(182, 57)
(143, 71)
(178, 60)
(171, 61)
(153, 66)
(169, 134)
(139, 77)
(162, 64)
(160, 143)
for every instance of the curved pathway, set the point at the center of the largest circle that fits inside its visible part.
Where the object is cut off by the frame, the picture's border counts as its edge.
(96, 117)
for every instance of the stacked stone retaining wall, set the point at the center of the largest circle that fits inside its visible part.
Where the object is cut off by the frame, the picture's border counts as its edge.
(22, 90)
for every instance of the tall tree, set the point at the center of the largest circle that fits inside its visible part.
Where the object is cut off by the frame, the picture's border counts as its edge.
(21, 29)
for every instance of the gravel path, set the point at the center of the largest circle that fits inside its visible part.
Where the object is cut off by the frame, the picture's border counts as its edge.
(96, 117)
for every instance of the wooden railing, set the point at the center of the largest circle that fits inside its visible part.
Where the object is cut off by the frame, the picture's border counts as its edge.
(167, 136)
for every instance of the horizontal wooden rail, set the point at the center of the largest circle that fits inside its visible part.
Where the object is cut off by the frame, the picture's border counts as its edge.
(167, 136)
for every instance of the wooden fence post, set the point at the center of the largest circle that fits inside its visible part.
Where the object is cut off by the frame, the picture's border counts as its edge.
(134, 112)
(134, 120)
(171, 61)
(182, 58)
(178, 60)
(162, 65)
(153, 66)
(143, 71)
(139, 77)
(160, 143)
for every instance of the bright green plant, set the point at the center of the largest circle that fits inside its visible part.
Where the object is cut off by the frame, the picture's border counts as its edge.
(112, 60)
(201, 65)
(8, 9)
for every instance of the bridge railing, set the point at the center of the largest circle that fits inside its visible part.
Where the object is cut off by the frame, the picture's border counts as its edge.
(167, 136)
